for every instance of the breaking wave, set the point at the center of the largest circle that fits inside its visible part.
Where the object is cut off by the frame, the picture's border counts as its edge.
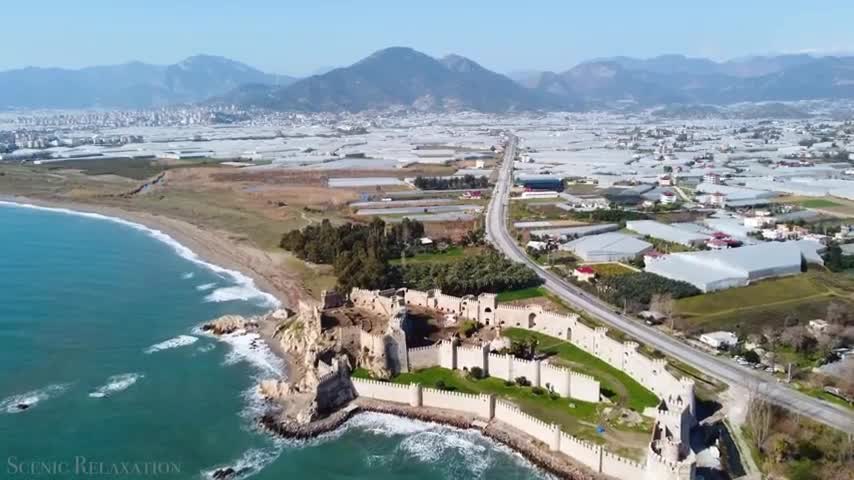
(188, 275)
(25, 401)
(115, 384)
(250, 463)
(205, 286)
(179, 341)
(244, 283)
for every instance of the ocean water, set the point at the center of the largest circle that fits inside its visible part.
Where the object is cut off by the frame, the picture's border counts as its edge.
(98, 335)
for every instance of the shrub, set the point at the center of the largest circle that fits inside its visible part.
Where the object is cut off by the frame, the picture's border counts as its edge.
(441, 385)
(538, 390)
(523, 382)
(468, 328)
(476, 373)
(751, 356)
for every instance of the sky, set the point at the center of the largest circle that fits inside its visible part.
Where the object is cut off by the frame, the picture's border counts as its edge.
(301, 37)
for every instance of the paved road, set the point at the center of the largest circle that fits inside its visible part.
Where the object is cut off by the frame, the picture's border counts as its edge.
(719, 368)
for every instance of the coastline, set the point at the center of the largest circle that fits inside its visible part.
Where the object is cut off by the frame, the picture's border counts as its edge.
(213, 248)
(537, 454)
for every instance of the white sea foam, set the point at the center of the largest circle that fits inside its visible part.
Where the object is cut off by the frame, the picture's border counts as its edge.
(31, 399)
(179, 341)
(205, 286)
(206, 348)
(431, 442)
(242, 281)
(188, 275)
(250, 347)
(250, 463)
(115, 384)
(228, 294)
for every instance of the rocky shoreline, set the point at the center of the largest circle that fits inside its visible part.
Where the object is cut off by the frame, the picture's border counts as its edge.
(538, 454)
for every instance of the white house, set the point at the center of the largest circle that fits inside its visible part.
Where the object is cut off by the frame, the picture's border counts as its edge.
(719, 339)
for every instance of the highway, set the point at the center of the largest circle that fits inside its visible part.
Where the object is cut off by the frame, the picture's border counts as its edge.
(719, 368)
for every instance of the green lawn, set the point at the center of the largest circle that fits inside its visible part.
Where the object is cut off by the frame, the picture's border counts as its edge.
(554, 410)
(767, 303)
(616, 384)
(766, 292)
(450, 254)
(530, 292)
(611, 269)
(818, 203)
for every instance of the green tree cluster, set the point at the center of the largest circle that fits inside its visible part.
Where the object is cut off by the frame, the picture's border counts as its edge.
(486, 272)
(451, 183)
(639, 288)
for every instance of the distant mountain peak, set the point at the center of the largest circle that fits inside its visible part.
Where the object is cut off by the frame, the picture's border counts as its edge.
(458, 63)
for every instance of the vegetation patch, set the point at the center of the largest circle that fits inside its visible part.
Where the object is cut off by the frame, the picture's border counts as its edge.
(574, 417)
(451, 183)
(818, 203)
(765, 292)
(611, 269)
(525, 293)
(616, 384)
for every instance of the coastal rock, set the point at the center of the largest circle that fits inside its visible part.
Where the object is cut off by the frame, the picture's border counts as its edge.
(22, 406)
(273, 389)
(229, 324)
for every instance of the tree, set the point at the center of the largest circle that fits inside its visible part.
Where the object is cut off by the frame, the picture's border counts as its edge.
(467, 328)
(760, 416)
(663, 304)
(751, 356)
(837, 312)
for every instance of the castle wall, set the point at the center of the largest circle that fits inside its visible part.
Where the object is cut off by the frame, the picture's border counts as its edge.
(419, 299)
(389, 392)
(374, 344)
(424, 357)
(529, 369)
(515, 316)
(542, 431)
(468, 357)
(585, 452)
(620, 467)
(583, 387)
(555, 378)
(500, 366)
(480, 405)
(651, 373)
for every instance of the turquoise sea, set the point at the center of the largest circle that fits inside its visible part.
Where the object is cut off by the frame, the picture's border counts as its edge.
(98, 340)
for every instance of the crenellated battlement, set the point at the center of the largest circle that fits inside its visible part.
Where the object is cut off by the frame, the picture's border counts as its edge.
(677, 393)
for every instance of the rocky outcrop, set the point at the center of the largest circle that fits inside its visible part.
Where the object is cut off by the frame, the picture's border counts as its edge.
(229, 324)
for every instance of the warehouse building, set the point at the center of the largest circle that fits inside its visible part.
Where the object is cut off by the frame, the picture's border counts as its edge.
(540, 182)
(662, 231)
(735, 267)
(607, 247)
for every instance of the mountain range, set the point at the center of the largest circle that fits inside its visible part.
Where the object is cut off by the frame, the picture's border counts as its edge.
(129, 85)
(400, 77)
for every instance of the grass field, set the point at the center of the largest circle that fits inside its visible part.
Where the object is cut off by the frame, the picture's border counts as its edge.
(513, 295)
(573, 416)
(818, 203)
(766, 303)
(766, 292)
(610, 269)
(133, 168)
(450, 254)
(773, 302)
(616, 384)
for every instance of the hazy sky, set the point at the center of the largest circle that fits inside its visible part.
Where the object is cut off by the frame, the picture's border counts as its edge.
(299, 37)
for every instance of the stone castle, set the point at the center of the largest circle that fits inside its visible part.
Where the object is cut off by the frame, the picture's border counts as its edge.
(669, 456)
